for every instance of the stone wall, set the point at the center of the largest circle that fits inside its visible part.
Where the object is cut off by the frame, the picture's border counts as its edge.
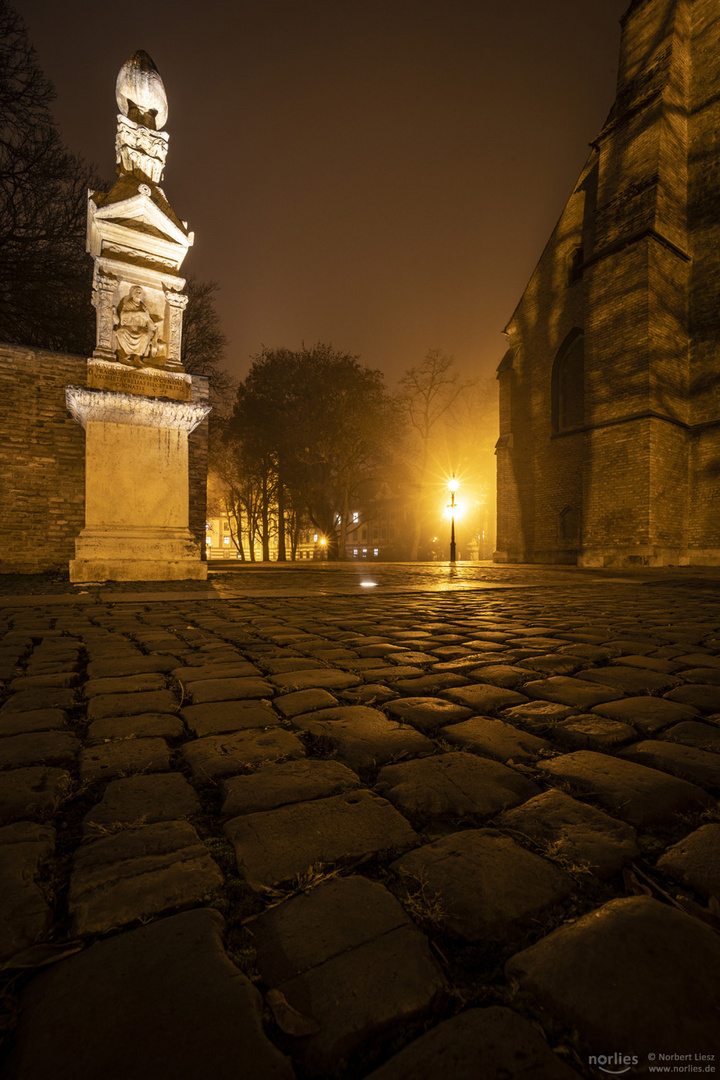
(634, 263)
(42, 461)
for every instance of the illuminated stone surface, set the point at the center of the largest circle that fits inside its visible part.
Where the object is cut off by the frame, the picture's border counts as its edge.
(346, 934)
(706, 699)
(425, 684)
(20, 723)
(576, 834)
(291, 782)
(452, 785)
(314, 927)
(233, 670)
(137, 873)
(42, 682)
(110, 760)
(630, 680)
(228, 690)
(370, 694)
(162, 1000)
(483, 698)
(427, 714)
(326, 678)
(536, 716)
(221, 717)
(146, 725)
(551, 665)
(134, 663)
(617, 975)
(632, 792)
(141, 800)
(32, 793)
(698, 766)
(362, 736)
(495, 739)
(24, 914)
(277, 845)
(570, 691)
(689, 733)
(304, 701)
(127, 684)
(588, 732)
(38, 748)
(695, 861)
(647, 714)
(492, 1042)
(506, 675)
(489, 888)
(216, 756)
(47, 698)
(136, 405)
(706, 676)
(131, 704)
(126, 631)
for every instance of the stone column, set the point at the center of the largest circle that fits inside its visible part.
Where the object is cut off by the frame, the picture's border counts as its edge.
(103, 296)
(176, 302)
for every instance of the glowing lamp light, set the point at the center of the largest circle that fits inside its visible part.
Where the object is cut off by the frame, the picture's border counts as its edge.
(368, 584)
(453, 485)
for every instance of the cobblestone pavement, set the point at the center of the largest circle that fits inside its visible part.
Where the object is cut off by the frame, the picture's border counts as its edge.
(291, 823)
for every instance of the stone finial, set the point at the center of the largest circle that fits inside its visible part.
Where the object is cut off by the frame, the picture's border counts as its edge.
(140, 92)
(140, 146)
(136, 240)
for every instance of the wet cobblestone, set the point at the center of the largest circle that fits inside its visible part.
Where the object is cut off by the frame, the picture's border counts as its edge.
(521, 766)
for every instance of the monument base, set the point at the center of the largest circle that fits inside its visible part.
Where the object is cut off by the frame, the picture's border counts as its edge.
(87, 570)
(136, 483)
(150, 554)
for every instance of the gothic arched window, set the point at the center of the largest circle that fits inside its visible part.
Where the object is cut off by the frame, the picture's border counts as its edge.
(568, 384)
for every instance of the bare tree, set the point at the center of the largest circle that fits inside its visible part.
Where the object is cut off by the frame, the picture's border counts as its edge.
(427, 395)
(204, 344)
(45, 275)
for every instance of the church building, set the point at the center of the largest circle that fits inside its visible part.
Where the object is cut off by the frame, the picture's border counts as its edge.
(609, 448)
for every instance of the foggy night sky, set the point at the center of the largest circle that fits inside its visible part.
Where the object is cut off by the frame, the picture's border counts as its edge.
(378, 174)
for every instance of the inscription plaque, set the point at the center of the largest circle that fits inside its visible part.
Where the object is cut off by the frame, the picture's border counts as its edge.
(144, 383)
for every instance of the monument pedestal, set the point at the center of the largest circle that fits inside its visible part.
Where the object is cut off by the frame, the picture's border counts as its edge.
(136, 484)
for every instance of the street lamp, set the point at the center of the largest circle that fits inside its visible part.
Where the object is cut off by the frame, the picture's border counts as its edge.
(453, 485)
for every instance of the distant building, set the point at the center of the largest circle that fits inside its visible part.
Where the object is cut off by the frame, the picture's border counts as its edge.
(609, 448)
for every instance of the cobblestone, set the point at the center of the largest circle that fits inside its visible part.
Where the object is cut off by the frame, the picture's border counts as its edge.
(489, 888)
(137, 873)
(502, 761)
(273, 847)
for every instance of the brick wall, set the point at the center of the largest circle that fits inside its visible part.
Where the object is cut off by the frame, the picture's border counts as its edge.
(42, 461)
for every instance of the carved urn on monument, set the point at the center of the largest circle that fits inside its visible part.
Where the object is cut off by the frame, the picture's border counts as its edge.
(137, 406)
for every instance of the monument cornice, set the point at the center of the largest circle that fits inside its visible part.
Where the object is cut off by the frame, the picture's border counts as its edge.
(172, 249)
(111, 407)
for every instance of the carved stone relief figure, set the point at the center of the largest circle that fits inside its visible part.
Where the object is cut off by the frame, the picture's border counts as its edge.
(136, 331)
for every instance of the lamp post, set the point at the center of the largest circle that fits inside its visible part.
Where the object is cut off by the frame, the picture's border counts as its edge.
(453, 485)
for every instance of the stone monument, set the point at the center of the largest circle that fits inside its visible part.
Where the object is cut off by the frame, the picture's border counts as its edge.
(137, 406)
